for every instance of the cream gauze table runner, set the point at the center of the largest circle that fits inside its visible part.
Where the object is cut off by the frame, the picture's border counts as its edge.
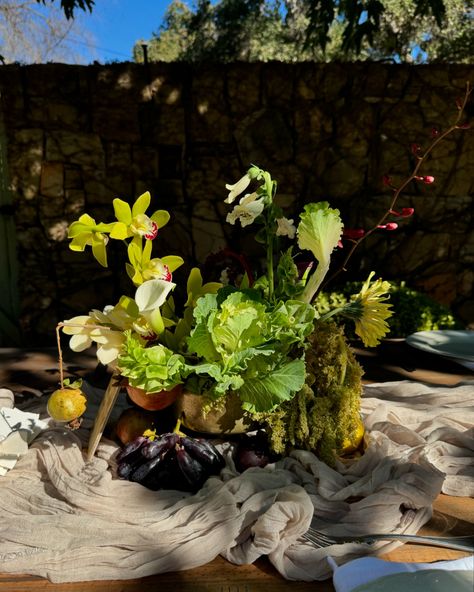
(70, 520)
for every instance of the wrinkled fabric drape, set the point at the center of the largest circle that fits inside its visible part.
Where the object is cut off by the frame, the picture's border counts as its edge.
(70, 520)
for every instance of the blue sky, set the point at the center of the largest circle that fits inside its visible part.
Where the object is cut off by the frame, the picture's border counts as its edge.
(117, 24)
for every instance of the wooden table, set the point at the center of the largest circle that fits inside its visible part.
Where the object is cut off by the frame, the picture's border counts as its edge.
(23, 370)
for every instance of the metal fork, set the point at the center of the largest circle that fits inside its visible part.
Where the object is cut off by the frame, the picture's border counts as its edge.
(320, 539)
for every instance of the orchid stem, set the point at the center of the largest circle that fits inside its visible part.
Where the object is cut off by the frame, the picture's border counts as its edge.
(270, 267)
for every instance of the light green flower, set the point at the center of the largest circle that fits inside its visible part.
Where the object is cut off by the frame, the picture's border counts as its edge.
(150, 297)
(134, 221)
(142, 268)
(106, 328)
(85, 331)
(196, 288)
(285, 227)
(85, 232)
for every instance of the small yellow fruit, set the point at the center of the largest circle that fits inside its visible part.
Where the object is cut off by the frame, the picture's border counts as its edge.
(66, 404)
(350, 445)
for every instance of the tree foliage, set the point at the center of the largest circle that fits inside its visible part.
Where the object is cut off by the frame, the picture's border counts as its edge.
(34, 34)
(69, 6)
(321, 30)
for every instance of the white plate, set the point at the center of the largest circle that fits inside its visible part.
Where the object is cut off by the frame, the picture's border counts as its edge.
(449, 343)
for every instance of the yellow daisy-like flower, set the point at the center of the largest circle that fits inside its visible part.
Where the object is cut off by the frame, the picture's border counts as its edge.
(370, 311)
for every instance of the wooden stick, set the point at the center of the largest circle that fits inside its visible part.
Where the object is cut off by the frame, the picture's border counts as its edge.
(103, 414)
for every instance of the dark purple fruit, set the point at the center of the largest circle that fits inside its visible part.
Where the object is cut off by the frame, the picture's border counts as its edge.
(219, 460)
(203, 452)
(141, 472)
(170, 462)
(252, 451)
(124, 470)
(132, 447)
(194, 472)
(155, 447)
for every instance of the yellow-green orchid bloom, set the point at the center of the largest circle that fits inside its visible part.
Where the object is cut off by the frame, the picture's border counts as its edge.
(133, 221)
(196, 288)
(85, 232)
(142, 268)
(120, 316)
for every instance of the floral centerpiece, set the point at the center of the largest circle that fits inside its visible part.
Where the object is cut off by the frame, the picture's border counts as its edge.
(259, 341)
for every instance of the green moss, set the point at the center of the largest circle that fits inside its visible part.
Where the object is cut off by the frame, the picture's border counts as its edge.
(326, 411)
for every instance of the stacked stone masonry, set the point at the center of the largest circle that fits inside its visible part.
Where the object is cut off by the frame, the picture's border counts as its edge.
(79, 136)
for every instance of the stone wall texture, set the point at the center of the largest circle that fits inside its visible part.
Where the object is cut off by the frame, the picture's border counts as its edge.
(79, 136)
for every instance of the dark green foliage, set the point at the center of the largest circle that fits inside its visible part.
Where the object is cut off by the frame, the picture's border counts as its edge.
(321, 30)
(415, 311)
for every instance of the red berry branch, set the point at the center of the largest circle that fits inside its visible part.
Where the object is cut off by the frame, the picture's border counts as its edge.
(358, 235)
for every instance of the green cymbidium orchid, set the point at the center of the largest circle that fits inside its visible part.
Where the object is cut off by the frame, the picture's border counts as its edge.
(196, 288)
(133, 221)
(142, 268)
(142, 314)
(85, 232)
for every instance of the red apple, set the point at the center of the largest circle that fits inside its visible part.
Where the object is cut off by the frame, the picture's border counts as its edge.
(133, 422)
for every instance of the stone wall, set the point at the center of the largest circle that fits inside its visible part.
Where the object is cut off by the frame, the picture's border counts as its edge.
(79, 136)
